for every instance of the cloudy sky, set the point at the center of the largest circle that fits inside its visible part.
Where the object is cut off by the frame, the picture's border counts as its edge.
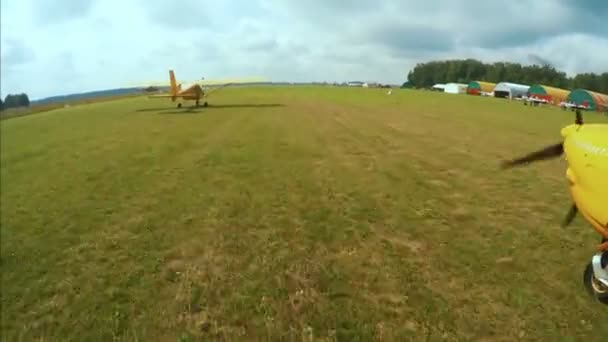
(54, 47)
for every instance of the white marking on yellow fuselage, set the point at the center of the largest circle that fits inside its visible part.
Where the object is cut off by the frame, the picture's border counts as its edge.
(591, 148)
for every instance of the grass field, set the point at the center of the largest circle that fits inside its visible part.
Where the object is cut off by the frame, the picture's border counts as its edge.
(291, 213)
(12, 113)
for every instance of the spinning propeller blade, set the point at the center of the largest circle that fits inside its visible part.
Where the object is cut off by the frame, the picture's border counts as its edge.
(549, 152)
(570, 216)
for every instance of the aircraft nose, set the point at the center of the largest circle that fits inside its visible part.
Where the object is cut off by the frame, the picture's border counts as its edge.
(567, 130)
(570, 176)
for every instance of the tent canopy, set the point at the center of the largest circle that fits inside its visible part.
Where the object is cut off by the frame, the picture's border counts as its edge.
(480, 86)
(555, 95)
(595, 101)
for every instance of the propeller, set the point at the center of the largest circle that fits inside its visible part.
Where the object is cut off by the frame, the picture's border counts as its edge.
(549, 152)
(570, 215)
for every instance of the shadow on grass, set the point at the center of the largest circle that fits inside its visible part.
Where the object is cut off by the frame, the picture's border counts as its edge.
(194, 110)
(244, 105)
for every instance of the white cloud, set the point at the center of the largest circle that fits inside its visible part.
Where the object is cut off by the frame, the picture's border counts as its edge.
(51, 48)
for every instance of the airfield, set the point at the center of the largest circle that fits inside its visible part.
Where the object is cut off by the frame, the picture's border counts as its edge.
(335, 213)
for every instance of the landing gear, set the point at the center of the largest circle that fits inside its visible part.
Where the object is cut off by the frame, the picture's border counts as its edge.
(179, 105)
(595, 277)
(205, 104)
(196, 104)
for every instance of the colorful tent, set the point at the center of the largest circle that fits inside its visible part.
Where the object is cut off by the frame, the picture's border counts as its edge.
(476, 87)
(551, 94)
(594, 101)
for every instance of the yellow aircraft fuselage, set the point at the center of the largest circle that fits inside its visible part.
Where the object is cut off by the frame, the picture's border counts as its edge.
(194, 92)
(586, 150)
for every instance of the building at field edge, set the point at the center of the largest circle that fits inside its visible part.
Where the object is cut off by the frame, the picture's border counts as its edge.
(510, 90)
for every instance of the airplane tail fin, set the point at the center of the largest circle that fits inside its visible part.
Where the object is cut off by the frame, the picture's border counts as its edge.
(174, 89)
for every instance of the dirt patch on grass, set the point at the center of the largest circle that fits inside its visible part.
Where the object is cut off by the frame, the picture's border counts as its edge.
(439, 183)
(460, 212)
(400, 241)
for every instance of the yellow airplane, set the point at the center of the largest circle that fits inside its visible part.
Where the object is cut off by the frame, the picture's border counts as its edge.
(586, 152)
(194, 92)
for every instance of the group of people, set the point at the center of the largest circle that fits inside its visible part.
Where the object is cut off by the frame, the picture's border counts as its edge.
(573, 105)
(535, 101)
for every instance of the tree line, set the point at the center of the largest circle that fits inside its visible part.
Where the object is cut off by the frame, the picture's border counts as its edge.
(427, 74)
(14, 101)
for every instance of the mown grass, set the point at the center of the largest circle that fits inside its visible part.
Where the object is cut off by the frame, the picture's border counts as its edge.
(291, 213)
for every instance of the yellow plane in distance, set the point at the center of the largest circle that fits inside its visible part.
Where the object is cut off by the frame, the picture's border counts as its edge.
(193, 93)
(196, 92)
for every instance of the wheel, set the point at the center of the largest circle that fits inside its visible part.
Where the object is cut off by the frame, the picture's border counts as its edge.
(205, 104)
(594, 287)
(179, 105)
(197, 103)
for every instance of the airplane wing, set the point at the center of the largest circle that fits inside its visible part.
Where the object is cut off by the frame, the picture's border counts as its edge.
(207, 92)
(161, 95)
(167, 96)
(209, 86)
(220, 82)
(202, 83)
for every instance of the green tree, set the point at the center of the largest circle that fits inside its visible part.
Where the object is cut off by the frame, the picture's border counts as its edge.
(603, 83)
(10, 101)
(16, 100)
(465, 70)
(23, 100)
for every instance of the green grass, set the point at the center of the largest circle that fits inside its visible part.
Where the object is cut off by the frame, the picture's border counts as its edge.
(11, 113)
(285, 213)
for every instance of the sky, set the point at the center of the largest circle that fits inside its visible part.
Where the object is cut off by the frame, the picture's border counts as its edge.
(56, 47)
